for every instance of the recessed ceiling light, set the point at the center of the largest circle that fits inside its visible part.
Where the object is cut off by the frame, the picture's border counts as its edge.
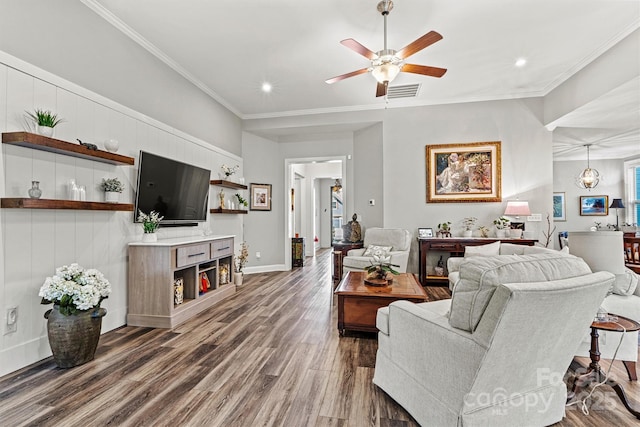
(266, 87)
(521, 62)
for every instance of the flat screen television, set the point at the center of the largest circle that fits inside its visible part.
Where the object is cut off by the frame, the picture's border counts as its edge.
(177, 191)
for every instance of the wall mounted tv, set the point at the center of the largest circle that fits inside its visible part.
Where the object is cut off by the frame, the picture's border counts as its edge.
(178, 191)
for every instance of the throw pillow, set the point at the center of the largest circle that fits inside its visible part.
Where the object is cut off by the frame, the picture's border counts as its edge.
(490, 249)
(377, 250)
(626, 283)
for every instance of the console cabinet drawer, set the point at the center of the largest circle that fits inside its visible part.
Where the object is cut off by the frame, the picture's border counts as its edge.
(222, 247)
(445, 246)
(193, 254)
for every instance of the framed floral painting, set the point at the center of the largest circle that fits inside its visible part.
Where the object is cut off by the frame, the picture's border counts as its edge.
(260, 197)
(464, 172)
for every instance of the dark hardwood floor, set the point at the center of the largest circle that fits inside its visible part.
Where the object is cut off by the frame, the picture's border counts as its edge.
(269, 355)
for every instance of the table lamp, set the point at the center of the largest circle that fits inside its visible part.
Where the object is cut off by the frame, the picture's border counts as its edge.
(517, 208)
(617, 204)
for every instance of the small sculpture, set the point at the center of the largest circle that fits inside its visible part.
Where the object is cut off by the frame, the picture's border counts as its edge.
(88, 145)
(221, 197)
(356, 230)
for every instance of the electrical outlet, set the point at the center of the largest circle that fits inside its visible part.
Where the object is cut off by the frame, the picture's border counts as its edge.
(372, 202)
(258, 255)
(12, 320)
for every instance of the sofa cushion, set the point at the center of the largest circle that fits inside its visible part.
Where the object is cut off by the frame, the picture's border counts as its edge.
(357, 262)
(490, 249)
(377, 250)
(479, 277)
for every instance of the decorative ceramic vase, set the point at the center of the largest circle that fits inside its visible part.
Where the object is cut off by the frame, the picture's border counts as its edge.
(111, 145)
(44, 130)
(501, 233)
(237, 278)
(515, 233)
(35, 192)
(467, 233)
(149, 237)
(111, 196)
(73, 339)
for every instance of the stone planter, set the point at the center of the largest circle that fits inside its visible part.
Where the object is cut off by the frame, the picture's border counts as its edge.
(73, 339)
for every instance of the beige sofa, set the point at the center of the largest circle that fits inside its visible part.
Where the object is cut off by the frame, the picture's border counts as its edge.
(495, 354)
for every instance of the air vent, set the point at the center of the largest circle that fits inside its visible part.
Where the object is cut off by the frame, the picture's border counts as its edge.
(404, 91)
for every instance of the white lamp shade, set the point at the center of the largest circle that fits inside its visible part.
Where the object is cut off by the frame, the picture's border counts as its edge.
(517, 208)
(601, 250)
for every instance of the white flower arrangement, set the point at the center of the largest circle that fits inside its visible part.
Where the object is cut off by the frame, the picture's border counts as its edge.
(112, 185)
(150, 222)
(228, 171)
(75, 289)
(242, 257)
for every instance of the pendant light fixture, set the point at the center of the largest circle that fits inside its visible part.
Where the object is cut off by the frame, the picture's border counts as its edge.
(589, 178)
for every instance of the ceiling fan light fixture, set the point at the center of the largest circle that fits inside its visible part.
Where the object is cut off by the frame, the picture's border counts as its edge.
(385, 72)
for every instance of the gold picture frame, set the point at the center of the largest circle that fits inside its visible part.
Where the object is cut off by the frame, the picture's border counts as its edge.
(260, 197)
(469, 172)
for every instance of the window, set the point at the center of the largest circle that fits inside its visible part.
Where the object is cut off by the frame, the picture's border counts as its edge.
(632, 179)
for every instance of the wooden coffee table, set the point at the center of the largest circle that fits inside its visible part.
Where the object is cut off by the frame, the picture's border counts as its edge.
(358, 303)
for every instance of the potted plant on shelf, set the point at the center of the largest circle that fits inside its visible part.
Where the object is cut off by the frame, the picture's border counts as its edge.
(112, 188)
(228, 171)
(239, 263)
(444, 229)
(502, 227)
(241, 201)
(469, 223)
(45, 121)
(150, 224)
(484, 231)
(75, 321)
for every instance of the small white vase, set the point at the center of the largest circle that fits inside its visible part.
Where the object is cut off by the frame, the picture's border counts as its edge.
(149, 237)
(515, 233)
(237, 279)
(467, 233)
(44, 130)
(111, 145)
(501, 233)
(111, 196)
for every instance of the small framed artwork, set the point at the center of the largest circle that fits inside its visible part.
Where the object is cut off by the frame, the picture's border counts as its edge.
(517, 226)
(559, 207)
(260, 197)
(594, 205)
(423, 233)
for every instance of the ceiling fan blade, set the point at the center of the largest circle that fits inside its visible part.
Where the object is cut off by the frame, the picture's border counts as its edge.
(346, 76)
(423, 69)
(358, 48)
(381, 89)
(428, 39)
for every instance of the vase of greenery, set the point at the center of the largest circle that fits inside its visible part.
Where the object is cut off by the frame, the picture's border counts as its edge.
(75, 321)
(444, 229)
(468, 224)
(502, 227)
(112, 188)
(241, 201)
(45, 121)
(239, 262)
(150, 224)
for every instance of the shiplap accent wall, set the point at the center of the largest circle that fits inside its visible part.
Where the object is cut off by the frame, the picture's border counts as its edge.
(35, 242)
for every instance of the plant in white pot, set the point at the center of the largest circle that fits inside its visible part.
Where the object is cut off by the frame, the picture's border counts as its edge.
(502, 227)
(45, 121)
(112, 188)
(239, 263)
(150, 224)
(468, 224)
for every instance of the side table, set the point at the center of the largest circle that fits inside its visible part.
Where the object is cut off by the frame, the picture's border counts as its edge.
(340, 250)
(594, 372)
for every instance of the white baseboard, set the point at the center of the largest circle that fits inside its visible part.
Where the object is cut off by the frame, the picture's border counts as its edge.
(265, 268)
(14, 358)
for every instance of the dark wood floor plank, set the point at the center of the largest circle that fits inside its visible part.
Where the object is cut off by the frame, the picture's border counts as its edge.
(270, 355)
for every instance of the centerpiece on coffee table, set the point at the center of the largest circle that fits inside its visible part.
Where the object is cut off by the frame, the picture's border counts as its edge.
(379, 270)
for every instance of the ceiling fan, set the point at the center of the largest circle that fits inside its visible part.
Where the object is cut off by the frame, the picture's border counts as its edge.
(387, 63)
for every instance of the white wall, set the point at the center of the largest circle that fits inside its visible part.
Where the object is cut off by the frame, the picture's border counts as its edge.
(35, 242)
(368, 162)
(611, 185)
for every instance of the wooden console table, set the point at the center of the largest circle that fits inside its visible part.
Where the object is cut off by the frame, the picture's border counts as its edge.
(455, 247)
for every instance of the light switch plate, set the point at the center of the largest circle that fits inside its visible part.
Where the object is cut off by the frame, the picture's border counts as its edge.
(534, 218)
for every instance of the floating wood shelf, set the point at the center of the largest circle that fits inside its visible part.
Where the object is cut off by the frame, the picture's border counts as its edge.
(39, 142)
(228, 184)
(228, 211)
(27, 203)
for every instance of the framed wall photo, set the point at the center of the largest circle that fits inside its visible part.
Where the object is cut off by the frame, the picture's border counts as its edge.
(425, 232)
(464, 172)
(594, 205)
(260, 197)
(559, 207)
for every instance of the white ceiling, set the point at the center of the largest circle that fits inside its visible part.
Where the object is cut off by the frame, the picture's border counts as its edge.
(230, 47)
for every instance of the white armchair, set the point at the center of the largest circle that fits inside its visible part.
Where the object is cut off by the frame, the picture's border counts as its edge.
(495, 354)
(604, 251)
(397, 239)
